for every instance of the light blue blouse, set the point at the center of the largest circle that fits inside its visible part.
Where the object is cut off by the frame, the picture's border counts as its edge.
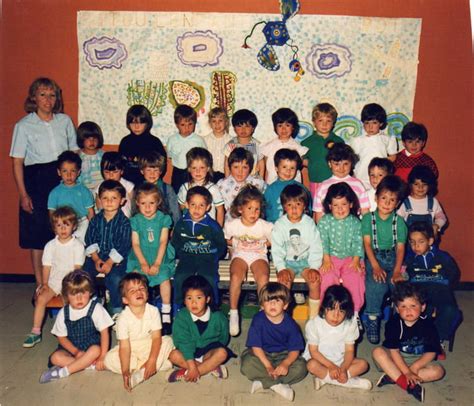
(39, 141)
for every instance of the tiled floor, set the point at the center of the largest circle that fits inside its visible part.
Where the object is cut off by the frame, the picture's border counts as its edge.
(20, 369)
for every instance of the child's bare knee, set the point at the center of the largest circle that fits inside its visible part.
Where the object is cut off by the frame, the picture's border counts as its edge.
(221, 354)
(94, 350)
(437, 372)
(363, 364)
(379, 353)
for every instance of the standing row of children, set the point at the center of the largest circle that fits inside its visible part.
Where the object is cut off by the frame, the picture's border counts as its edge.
(337, 245)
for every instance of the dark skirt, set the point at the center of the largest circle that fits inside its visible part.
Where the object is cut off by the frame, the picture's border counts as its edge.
(200, 352)
(35, 229)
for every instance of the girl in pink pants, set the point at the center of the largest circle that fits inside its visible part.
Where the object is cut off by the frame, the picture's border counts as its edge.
(343, 251)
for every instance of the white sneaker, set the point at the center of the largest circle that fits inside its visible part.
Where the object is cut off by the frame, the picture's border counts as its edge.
(257, 386)
(284, 390)
(234, 328)
(318, 383)
(299, 298)
(137, 377)
(358, 383)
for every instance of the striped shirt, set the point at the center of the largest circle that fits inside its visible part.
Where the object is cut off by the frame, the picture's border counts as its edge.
(355, 184)
(216, 146)
(109, 239)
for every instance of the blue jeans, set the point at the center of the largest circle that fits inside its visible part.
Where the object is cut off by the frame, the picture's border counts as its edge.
(112, 281)
(375, 291)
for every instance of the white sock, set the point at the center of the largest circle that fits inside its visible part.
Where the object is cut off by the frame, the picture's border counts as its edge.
(166, 318)
(356, 313)
(327, 378)
(233, 311)
(63, 372)
(165, 308)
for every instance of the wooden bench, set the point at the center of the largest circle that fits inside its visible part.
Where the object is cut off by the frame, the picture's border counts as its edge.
(249, 283)
(55, 303)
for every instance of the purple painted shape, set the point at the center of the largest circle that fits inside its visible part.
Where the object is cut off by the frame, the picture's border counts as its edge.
(326, 61)
(199, 48)
(104, 52)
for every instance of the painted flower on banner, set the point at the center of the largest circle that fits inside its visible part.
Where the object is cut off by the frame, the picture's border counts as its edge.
(199, 48)
(104, 52)
(327, 61)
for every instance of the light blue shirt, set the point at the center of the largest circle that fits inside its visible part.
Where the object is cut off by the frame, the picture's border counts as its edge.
(178, 146)
(296, 245)
(39, 141)
(78, 197)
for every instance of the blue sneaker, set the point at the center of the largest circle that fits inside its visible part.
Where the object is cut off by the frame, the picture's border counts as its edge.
(52, 374)
(372, 329)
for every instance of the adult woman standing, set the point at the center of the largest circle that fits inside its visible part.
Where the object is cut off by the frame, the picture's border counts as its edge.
(38, 139)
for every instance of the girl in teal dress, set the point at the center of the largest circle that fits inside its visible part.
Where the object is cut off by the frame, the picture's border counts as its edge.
(151, 254)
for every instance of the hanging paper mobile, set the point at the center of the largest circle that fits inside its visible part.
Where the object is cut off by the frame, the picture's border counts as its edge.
(276, 34)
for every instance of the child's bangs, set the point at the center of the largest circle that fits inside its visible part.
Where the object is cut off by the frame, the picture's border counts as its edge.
(82, 288)
(275, 296)
(111, 166)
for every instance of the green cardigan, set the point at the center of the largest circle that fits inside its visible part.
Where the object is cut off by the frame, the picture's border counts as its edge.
(186, 335)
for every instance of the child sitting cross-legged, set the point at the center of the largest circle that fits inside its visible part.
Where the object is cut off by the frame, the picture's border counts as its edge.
(296, 244)
(141, 350)
(331, 336)
(411, 344)
(272, 359)
(82, 329)
(287, 163)
(61, 256)
(199, 334)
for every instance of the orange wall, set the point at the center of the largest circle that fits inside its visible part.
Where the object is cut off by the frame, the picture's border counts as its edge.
(39, 39)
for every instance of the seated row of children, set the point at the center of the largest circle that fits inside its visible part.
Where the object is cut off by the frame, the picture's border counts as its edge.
(276, 356)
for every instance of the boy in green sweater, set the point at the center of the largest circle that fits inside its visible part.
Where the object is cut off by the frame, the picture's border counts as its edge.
(199, 334)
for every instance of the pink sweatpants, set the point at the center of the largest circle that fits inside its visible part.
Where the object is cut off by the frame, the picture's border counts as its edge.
(352, 280)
